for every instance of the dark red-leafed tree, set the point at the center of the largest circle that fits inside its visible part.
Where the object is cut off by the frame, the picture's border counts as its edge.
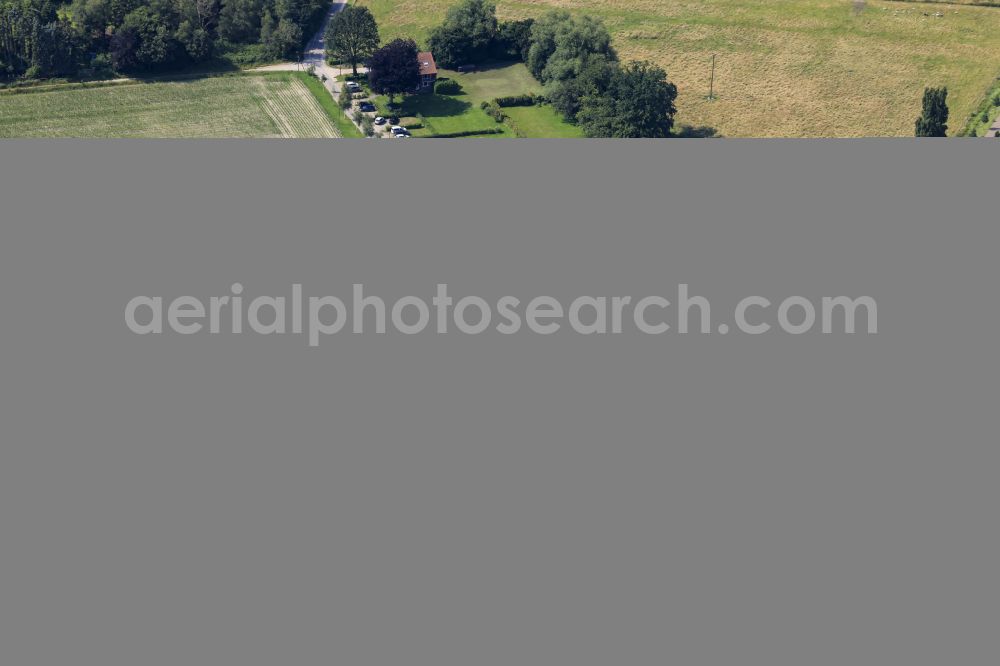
(393, 69)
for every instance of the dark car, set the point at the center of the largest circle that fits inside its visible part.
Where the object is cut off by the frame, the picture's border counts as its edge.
(368, 107)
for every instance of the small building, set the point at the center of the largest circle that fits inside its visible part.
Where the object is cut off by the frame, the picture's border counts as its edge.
(428, 71)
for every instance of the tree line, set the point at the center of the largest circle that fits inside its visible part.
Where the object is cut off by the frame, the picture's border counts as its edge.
(45, 38)
(570, 54)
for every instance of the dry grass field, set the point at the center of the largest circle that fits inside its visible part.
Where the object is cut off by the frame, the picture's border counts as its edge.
(785, 68)
(272, 105)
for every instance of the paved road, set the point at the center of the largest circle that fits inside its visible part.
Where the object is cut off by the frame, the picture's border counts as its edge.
(315, 56)
(314, 49)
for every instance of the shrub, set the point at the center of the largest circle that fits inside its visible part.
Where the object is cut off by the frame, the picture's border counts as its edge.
(494, 112)
(367, 126)
(448, 87)
(344, 99)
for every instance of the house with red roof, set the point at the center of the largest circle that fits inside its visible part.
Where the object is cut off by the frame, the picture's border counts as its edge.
(428, 71)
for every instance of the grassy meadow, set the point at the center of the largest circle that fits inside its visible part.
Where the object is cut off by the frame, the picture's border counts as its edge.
(257, 105)
(784, 67)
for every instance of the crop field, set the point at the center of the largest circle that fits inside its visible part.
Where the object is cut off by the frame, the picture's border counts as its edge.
(783, 67)
(272, 105)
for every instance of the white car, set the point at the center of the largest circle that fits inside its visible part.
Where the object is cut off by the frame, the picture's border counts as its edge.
(399, 129)
(379, 120)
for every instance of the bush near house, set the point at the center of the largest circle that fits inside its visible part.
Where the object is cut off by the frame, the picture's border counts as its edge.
(447, 87)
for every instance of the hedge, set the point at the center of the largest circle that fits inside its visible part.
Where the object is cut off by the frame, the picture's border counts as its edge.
(479, 132)
(517, 100)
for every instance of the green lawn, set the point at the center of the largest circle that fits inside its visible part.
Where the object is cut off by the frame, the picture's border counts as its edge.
(442, 114)
(784, 67)
(446, 114)
(253, 105)
(492, 81)
(542, 121)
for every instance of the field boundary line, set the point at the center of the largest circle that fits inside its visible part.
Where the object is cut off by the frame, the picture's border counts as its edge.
(126, 81)
(990, 4)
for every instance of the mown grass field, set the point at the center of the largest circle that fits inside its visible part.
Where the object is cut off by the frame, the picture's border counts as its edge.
(784, 67)
(542, 121)
(258, 105)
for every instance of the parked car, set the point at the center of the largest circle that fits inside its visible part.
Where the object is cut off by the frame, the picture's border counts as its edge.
(379, 120)
(398, 130)
(367, 107)
(352, 86)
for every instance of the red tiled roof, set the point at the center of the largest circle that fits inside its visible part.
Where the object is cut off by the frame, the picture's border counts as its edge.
(427, 64)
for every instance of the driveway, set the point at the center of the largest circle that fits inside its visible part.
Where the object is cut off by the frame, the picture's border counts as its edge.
(994, 130)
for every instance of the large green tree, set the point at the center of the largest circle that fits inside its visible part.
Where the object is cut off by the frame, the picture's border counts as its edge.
(637, 103)
(934, 119)
(514, 39)
(594, 77)
(351, 36)
(562, 44)
(469, 34)
(144, 41)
